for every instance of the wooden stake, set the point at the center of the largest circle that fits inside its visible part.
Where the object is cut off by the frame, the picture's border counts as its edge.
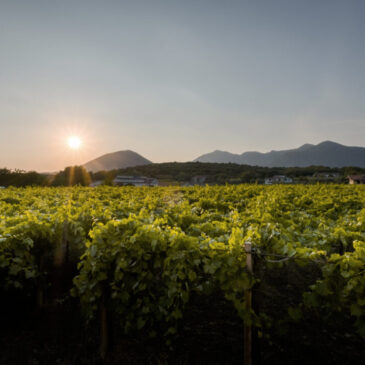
(61, 250)
(104, 331)
(40, 297)
(248, 299)
(40, 286)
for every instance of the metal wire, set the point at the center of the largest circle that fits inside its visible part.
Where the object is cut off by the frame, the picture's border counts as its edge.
(282, 260)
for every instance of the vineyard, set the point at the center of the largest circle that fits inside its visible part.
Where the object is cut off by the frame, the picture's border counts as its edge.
(136, 263)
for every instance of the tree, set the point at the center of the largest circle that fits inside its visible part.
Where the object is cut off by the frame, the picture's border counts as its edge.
(21, 178)
(72, 175)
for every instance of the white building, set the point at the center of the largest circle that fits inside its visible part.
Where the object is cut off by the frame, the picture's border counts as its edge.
(94, 184)
(135, 181)
(278, 179)
(326, 175)
(356, 179)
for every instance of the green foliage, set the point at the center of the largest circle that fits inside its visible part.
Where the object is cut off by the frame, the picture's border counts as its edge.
(143, 252)
(222, 173)
(71, 176)
(21, 178)
(343, 285)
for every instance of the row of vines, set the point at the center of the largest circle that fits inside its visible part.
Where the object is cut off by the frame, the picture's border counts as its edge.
(141, 253)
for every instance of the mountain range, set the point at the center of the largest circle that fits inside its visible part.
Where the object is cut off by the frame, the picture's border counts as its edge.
(327, 153)
(116, 160)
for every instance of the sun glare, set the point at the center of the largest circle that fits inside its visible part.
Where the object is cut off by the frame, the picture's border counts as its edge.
(74, 142)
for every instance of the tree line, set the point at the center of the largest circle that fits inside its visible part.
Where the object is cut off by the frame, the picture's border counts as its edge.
(177, 172)
(222, 173)
(70, 176)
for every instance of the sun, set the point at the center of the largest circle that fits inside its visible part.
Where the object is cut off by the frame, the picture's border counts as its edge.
(74, 142)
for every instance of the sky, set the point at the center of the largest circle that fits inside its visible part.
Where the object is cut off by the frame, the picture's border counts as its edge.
(172, 80)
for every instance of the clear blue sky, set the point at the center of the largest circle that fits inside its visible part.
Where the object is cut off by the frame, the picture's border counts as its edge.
(172, 80)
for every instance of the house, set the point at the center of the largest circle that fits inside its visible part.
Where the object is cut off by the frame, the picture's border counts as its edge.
(356, 179)
(326, 175)
(94, 184)
(278, 179)
(135, 181)
(198, 180)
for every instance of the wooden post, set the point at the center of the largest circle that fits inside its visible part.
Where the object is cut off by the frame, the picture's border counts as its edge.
(104, 330)
(61, 250)
(40, 286)
(248, 299)
(40, 297)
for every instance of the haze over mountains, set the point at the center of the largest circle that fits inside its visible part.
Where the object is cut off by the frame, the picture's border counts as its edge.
(327, 153)
(116, 160)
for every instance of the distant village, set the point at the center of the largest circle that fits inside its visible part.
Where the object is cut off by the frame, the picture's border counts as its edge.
(184, 174)
(201, 180)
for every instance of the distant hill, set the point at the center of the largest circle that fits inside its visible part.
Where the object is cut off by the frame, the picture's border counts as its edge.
(327, 153)
(222, 173)
(116, 160)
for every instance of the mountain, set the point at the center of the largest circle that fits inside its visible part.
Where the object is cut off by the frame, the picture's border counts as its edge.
(116, 160)
(327, 153)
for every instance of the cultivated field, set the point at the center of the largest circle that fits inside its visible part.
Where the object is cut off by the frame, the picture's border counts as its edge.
(132, 265)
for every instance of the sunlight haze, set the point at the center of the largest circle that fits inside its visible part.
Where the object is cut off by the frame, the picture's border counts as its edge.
(172, 80)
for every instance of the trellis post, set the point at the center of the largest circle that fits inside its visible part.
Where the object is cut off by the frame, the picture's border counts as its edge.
(248, 300)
